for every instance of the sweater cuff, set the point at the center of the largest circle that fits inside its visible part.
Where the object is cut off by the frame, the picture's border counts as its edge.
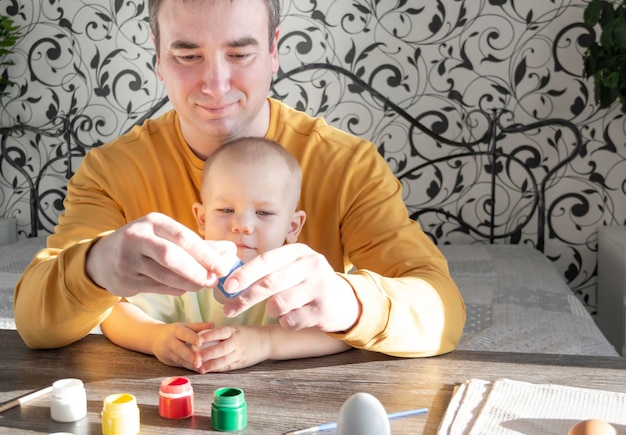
(73, 263)
(375, 309)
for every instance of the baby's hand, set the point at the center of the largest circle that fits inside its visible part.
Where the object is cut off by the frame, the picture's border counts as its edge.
(204, 344)
(171, 343)
(233, 347)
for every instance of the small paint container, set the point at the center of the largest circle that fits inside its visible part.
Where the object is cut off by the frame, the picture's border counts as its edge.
(229, 411)
(220, 281)
(120, 415)
(69, 400)
(176, 398)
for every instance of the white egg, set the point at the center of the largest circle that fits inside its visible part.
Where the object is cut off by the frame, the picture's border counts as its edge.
(363, 414)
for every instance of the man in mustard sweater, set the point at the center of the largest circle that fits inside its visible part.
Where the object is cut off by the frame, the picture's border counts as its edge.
(127, 222)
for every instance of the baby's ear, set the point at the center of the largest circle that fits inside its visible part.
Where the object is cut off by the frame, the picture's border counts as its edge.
(295, 226)
(199, 214)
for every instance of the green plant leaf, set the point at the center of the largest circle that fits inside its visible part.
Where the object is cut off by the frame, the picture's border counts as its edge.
(607, 37)
(619, 31)
(9, 35)
(592, 13)
(611, 80)
(607, 13)
(605, 58)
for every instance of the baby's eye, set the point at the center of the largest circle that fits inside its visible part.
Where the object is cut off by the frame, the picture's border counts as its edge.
(264, 213)
(225, 210)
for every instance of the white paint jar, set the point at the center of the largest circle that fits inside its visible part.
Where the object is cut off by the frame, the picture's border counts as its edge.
(69, 400)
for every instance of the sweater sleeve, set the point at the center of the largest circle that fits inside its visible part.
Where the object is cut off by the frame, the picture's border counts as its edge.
(146, 170)
(410, 305)
(405, 316)
(55, 302)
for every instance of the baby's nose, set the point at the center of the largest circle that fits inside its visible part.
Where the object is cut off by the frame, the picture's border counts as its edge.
(242, 224)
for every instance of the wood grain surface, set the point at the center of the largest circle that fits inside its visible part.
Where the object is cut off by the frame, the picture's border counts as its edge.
(281, 395)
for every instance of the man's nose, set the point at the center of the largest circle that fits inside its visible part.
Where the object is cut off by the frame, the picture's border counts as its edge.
(216, 77)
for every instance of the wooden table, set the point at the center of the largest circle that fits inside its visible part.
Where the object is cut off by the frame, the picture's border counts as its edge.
(281, 396)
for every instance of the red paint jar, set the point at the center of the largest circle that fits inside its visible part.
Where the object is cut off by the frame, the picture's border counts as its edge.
(176, 398)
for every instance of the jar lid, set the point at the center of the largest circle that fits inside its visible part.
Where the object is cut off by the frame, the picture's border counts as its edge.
(175, 385)
(119, 403)
(67, 387)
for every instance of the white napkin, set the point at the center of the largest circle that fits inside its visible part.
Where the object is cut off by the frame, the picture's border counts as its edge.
(512, 407)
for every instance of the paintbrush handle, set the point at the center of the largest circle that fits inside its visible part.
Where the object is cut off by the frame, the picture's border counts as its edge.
(25, 398)
(331, 426)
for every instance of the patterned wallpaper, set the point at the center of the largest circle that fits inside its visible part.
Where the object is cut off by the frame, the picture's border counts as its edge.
(369, 67)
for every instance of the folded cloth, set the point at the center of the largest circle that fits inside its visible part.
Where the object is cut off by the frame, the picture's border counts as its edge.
(513, 407)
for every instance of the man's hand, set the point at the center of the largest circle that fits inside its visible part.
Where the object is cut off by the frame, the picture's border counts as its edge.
(159, 255)
(301, 289)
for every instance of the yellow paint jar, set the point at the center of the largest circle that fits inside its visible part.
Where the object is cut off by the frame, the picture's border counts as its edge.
(120, 415)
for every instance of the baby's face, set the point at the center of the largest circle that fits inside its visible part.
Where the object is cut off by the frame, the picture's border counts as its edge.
(250, 206)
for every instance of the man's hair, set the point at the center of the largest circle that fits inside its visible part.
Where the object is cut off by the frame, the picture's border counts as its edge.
(257, 151)
(273, 13)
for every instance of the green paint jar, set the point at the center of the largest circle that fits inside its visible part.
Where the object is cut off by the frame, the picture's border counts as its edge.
(229, 411)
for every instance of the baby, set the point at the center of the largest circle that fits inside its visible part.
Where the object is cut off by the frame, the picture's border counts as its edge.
(250, 193)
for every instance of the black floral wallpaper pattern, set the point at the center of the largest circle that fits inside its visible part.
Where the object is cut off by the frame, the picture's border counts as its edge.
(381, 70)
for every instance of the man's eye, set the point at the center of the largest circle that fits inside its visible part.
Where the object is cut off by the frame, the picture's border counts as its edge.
(187, 58)
(240, 56)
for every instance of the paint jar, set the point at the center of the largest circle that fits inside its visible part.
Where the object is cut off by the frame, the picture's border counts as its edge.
(120, 415)
(176, 398)
(222, 280)
(69, 400)
(229, 411)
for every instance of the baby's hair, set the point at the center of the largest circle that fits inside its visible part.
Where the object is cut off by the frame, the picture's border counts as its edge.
(256, 151)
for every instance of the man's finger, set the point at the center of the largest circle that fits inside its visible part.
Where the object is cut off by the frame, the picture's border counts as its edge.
(263, 265)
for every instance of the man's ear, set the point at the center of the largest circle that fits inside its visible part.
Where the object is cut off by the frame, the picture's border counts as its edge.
(295, 226)
(158, 59)
(274, 51)
(199, 214)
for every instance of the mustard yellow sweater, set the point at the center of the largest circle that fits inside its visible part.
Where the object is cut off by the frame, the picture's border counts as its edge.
(355, 216)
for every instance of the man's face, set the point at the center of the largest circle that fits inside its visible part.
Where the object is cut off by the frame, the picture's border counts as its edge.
(217, 68)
